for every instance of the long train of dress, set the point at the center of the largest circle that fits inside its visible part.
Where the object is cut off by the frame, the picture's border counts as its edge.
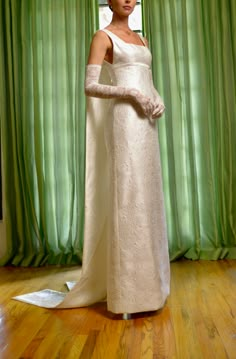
(125, 257)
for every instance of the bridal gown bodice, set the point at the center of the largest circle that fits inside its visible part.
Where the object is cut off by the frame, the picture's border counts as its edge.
(130, 66)
(125, 255)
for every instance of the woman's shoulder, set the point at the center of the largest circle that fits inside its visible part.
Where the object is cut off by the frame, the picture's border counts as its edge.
(100, 35)
(100, 40)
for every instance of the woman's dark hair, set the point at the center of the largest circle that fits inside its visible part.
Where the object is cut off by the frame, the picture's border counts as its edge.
(110, 7)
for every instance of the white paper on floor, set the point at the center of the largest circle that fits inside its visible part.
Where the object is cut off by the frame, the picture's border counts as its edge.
(70, 285)
(46, 298)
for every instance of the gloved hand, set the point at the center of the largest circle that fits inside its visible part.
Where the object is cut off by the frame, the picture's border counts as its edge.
(145, 103)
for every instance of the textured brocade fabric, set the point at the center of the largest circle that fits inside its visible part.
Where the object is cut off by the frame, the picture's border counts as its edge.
(125, 258)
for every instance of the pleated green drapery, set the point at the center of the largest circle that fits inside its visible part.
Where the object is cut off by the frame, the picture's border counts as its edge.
(44, 46)
(194, 64)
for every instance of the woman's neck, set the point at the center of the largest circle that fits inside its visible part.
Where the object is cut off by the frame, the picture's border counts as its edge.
(121, 23)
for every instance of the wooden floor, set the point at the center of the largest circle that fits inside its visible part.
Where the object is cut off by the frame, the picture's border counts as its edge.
(198, 321)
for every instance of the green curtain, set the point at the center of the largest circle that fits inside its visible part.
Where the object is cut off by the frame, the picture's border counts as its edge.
(194, 66)
(43, 50)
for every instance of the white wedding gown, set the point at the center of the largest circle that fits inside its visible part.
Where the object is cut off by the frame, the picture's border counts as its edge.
(125, 257)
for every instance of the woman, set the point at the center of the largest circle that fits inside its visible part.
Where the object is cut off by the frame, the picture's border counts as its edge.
(125, 258)
(125, 246)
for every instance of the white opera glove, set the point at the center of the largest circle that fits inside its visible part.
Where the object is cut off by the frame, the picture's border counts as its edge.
(95, 89)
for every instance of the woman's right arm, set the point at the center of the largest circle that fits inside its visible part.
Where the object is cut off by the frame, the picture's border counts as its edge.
(100, 45)
(99, 48)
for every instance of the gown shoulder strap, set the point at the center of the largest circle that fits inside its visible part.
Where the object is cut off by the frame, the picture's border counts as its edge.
(143, 40)
(117, 39)
(112, 36)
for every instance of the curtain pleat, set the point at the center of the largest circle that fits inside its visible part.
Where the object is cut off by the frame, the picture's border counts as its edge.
(44, 48)
(193, 49)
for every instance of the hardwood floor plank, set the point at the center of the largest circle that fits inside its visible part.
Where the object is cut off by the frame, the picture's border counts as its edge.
(22, 325)
(210, 343)
(225, 322)
(147, 339)
(107, 343)
(164, 342)
(74, 347)
(89, 345)
(184, 285)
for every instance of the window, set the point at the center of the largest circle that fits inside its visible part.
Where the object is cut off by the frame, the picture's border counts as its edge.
(105, 16)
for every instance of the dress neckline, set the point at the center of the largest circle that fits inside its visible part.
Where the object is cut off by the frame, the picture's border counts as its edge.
(128, 43)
